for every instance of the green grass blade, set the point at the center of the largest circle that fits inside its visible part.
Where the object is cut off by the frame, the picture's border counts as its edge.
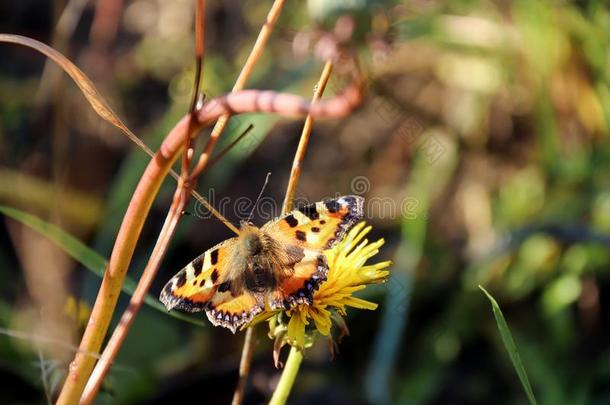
(509, 343)
(85, 256)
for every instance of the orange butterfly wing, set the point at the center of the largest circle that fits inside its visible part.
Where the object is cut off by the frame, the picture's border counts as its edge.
(313, 228)
(205, 284)
(202, 285)
(232, 312)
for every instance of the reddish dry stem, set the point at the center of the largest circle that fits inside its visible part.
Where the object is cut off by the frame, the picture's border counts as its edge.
(199, 54)
(146, 191)
(178, 204)
(156, 171)
(143, 198)
(128, 235)
(120, 333)
(230, 146)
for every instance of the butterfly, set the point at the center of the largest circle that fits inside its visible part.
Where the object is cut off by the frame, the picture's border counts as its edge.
(276, 266)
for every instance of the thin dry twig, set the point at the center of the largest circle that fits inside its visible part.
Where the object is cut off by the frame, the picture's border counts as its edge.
(244, 366)
(295, 172)
(199, 53)
(167, 232)
(206, 204)
(248, 347)
(240, 83)
(230, 146)
(135, 303)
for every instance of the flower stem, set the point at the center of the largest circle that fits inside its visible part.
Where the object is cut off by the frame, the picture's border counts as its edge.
(295, 357)
(282, 391)
(204, 161)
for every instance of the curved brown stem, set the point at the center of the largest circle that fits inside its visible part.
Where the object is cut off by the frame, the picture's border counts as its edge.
(167, 232)
(289, 105)
(150, 182)
(129, 232)
(124, 245)
(147, 189)
(135, 303)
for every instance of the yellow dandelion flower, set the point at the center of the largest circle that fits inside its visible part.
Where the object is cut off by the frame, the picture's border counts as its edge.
(347, 274)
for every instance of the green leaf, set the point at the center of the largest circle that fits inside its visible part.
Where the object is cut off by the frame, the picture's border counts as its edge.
(85, 256)
(509, 343)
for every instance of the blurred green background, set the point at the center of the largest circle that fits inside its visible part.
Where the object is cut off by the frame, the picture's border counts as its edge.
(482, 147)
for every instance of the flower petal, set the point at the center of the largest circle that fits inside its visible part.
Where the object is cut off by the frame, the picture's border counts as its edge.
(321, 318)
(296, 331)
(356, 302)
(347, 274)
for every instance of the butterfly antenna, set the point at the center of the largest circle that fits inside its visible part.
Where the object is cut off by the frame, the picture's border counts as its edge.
(259, 196)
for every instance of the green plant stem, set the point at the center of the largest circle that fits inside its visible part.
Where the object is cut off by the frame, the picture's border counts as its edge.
(284, 386)
(295, 357)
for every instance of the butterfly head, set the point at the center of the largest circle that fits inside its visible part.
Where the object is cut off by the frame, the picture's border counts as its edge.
(251, 242)
(244, 224)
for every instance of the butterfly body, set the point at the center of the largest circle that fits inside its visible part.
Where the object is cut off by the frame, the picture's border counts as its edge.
(259, 261)
(276, 266)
